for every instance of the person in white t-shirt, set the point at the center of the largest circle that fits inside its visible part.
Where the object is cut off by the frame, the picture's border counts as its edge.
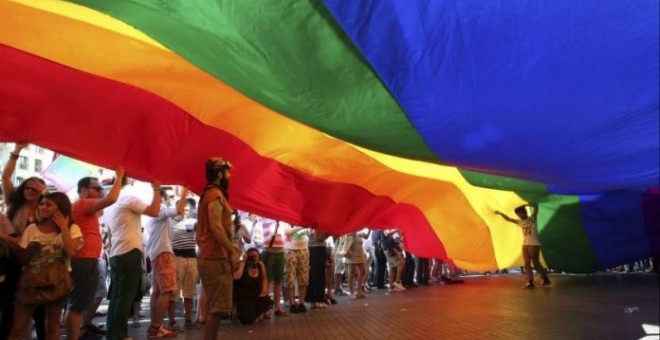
(123, 220)
(52, 238)
(531, 248)
(163, 264)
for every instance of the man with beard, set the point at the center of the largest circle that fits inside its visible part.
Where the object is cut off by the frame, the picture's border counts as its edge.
(217, 256)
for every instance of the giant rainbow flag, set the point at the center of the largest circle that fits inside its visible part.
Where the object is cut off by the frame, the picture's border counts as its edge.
(422, 115)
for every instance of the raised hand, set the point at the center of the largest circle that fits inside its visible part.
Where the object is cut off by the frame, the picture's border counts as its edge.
(19, 147)
(60, 221)
(119, 172)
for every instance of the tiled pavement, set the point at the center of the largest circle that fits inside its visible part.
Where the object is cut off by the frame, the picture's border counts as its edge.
(484, 307)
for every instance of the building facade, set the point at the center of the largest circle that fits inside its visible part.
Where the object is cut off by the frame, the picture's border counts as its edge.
(33, 160)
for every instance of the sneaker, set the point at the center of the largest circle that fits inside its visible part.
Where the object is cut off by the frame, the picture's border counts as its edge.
(546, 282)
(529, 285)
(159, 333)
(302, 308)
(293, 309)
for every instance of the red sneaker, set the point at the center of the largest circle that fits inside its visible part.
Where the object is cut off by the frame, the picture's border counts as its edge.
(160, 333)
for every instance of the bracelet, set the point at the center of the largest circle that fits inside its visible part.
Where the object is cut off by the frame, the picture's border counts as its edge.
(13, 155)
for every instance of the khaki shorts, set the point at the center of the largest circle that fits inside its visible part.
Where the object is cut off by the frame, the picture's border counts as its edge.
(217, 283)
(164, 273)
(186, 277)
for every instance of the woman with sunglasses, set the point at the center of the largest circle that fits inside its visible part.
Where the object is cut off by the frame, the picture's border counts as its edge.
(21, 211)
(22, 201)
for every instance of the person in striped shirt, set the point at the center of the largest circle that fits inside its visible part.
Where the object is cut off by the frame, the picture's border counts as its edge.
(183, 245)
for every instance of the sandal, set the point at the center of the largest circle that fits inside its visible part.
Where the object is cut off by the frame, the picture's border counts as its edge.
(281, 313)
(352, 297)
(361, 296)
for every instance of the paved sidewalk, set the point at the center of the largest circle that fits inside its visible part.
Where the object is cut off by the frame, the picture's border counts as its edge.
(484, 307)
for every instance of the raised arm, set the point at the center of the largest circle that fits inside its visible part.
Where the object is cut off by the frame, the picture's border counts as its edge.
(292, 230)
(507, 218)
(181, 206)
(534, 206)
(10, 167)
(365, 235)
(69, 245)
(154, 208)
(112, 195)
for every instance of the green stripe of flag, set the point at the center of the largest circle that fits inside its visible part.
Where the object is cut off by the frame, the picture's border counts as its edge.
(562, 234)
(289, 55)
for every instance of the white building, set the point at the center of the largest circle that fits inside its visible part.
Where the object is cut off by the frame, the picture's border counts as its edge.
(33, 160)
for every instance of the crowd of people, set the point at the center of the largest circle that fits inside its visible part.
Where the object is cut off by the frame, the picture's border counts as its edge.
(56, 254)
(250, 267)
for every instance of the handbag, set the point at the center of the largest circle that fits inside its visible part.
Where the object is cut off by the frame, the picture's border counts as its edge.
(52, 283)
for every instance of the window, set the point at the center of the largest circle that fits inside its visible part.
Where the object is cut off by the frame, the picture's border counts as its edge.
(38, 165)
(22, 163)
(39, 150)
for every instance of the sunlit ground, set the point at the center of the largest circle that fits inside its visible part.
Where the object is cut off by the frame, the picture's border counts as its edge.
(492, 307)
